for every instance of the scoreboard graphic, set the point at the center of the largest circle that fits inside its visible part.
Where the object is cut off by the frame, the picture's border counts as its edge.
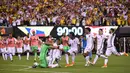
(57, 31)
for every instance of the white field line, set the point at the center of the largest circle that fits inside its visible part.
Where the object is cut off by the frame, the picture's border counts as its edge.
(35, 71)
(24, 69)
(14, 65)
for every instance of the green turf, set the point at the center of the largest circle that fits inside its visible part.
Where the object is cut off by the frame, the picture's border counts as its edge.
(116, 65)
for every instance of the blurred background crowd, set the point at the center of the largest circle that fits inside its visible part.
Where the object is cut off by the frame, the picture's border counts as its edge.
(64, 12)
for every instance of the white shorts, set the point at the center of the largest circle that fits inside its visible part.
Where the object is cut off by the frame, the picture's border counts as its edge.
(3, 50)
(72, 51)
(111, 50)
(87, 49)
(50, 52)
(26, 47)
(56, 53)
(11, 50)
(39, 49)
(19, 50)
(99, 50)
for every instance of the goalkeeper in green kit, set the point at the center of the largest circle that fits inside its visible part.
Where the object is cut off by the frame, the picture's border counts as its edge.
(43, 54)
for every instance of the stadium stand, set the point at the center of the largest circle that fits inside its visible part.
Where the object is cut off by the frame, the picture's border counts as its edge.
(64, 12)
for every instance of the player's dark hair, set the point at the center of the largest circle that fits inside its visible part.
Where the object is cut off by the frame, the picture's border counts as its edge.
(72, 34)
(112, 29)
(88, 29)
(101, 29)
(47, 37)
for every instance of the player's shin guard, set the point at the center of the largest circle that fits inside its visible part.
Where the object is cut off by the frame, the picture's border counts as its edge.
(90, 55)
(95, 59)
(105, 62)
(35, 56)
(53, 60)
(11, 57)
(87, 58)
(19, 55)
(3, 55)
(73, 57)
(27, 55)
(87, 61)
(67, 58)
(50, 61)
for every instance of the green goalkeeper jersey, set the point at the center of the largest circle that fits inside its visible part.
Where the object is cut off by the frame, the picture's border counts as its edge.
(44, 50)
(43, 54)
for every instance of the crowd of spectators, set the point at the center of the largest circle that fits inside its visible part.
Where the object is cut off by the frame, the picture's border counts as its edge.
(64, 12)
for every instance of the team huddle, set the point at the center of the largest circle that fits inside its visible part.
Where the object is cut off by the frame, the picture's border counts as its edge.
(51, 50)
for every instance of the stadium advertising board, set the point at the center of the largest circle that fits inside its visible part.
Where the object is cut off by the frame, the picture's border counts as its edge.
(57, 31)
(40, 31)
(6, 30)
(94, 29)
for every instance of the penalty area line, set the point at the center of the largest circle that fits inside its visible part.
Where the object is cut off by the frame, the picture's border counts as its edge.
(25, 68)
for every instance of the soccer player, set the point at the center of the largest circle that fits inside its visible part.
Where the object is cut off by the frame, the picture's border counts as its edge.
(43, 54)
(11, 46)
(3, 45)
(100, 38)
(34, 44)
(2, 49)
(56, 57)
(19, 45)
(50, 53)
(83, 43)
(83, 46)
(74, 43)
(26, 41)
(90, 45)
(58, 52)
(111, 48)
(65, 40)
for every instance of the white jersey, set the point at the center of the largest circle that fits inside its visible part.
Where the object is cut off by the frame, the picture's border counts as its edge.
(100, 41)
(74, 43)
(110, 40)
(90, 43)
(61, 46)
(55, 50)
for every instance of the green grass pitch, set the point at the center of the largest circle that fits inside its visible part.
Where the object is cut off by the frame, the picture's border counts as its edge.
(116, 65)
